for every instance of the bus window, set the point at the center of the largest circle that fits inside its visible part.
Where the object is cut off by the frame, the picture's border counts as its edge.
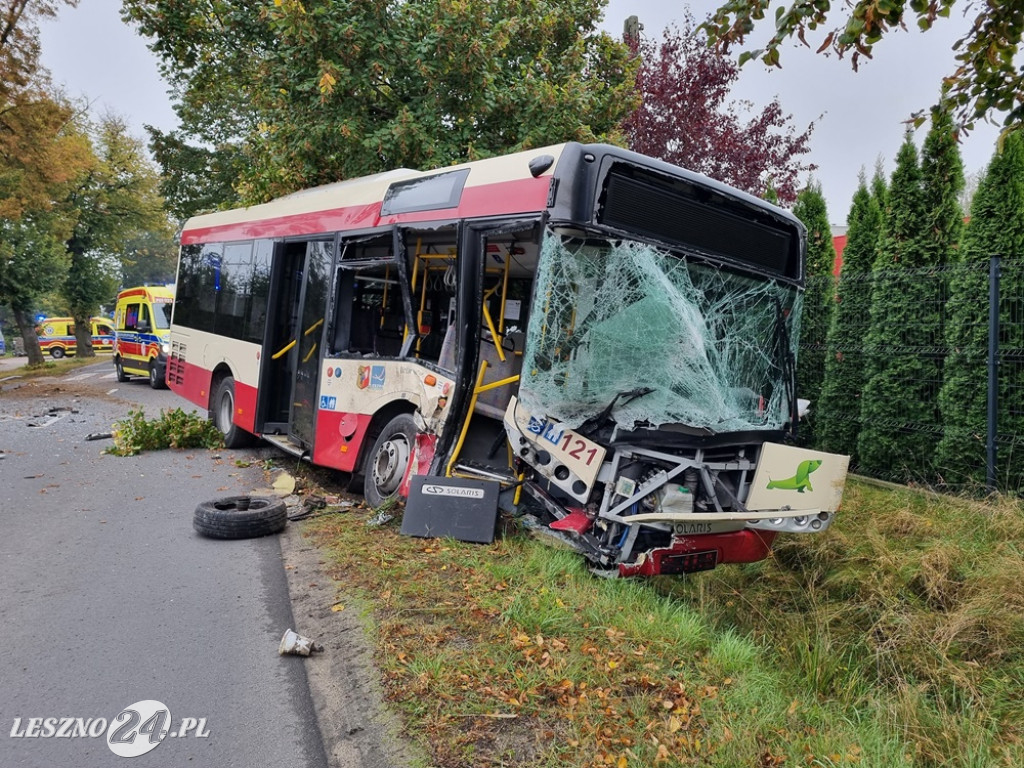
(369, 318)
(432, 264)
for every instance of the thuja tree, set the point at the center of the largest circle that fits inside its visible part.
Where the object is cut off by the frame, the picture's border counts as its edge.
(899, 413)
(889, 442)
(819, 300)
(837, 414)
(996, 228)
(942, 182)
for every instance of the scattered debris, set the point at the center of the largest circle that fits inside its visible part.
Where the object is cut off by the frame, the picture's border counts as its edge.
(381, 518)
(284, 484)
(304, 508)
(99, 436)
(297, 645)
(51, 416)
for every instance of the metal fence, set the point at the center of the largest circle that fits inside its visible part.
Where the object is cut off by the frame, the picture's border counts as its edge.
(961, 333)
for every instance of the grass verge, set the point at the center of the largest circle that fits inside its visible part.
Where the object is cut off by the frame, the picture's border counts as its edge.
(895, 639)
(52, 367)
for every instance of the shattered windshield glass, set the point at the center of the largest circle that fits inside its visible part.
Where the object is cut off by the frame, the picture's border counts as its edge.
(653, 338)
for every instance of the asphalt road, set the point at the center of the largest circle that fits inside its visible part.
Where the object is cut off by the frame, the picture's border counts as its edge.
(109, 598)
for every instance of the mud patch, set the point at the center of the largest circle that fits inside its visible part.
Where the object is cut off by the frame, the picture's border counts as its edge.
(25, 389)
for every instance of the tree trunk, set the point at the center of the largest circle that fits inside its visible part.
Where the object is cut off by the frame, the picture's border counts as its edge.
(28, 334)
(83, 336)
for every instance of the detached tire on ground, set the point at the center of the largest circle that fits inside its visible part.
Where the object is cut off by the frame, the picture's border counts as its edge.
(240, 517)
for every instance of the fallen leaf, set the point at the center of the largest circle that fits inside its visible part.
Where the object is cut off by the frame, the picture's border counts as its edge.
(337, 607)
(284, 484)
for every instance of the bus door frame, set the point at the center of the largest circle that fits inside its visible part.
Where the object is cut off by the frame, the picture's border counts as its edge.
(272, 395)
(472, 261)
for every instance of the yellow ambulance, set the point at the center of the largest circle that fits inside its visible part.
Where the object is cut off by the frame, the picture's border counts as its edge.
(142, 329)
(57, 336)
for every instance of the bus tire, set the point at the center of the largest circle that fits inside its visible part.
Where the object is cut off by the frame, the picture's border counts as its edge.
(385, 465)
(154, 377)
(119, 367)
(222, 413)
(56, 353)
(240, 517)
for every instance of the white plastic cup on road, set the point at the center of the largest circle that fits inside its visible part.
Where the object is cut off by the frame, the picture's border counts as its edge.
(295, 644)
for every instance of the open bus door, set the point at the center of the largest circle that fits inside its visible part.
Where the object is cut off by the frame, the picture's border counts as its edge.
(287, 407)
(500, 266)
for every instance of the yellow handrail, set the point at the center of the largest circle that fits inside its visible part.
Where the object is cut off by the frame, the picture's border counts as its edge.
(284, 350)
(469, 415)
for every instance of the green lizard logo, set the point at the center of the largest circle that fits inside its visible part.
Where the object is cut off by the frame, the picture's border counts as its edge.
(801, 481)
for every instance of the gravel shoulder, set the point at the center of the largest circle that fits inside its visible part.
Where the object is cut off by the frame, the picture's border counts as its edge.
(357, 728)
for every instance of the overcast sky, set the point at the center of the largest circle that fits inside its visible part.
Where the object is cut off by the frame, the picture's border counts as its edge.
(858, 116)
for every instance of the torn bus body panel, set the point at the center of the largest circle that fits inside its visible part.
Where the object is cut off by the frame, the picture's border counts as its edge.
(680, 474)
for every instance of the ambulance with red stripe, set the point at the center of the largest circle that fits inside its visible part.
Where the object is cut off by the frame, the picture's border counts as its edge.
(142, 328)
(608, 338)
(57, 336)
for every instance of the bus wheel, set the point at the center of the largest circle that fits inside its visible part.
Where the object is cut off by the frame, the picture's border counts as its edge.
(119, 367)
(155, 381)
(57, 353)
(222, 412)
(385, 464)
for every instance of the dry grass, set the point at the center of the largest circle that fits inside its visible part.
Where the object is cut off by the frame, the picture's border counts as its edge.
(897, 638)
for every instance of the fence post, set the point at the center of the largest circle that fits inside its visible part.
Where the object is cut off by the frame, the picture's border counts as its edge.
(993, 370)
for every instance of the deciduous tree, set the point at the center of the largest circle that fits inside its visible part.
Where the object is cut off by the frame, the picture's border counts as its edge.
(987, 77)
(19, 42)
(686, 117)
(323, 90)
(33, 259)
(113, 201)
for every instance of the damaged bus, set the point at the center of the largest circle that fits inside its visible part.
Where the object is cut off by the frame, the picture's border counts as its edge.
(610, 338)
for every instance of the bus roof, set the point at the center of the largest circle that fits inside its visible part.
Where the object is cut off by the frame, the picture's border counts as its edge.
(497, 185)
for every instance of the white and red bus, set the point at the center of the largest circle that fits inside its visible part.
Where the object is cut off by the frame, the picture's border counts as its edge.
(610, 337)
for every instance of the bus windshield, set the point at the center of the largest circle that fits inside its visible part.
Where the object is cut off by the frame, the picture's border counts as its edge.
(653, 338)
